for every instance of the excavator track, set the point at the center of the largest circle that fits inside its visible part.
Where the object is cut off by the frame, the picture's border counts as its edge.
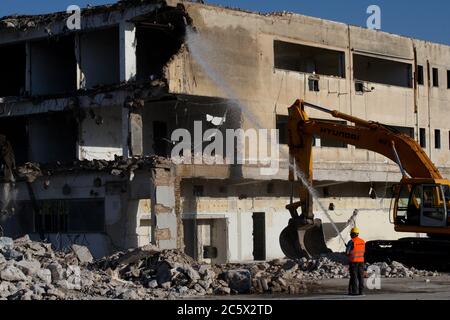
(426, 253)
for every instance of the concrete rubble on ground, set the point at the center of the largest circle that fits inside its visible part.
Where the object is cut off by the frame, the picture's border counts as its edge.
(32, 270)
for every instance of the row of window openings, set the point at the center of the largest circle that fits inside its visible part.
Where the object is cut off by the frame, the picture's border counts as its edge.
(199, 190)
(314, 60)
(435, 77)
(313, 83)
(437, 138)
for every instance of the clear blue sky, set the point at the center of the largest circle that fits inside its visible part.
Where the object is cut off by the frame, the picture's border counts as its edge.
(423, 19)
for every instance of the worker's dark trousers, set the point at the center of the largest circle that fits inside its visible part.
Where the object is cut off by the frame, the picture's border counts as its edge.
(356, 285)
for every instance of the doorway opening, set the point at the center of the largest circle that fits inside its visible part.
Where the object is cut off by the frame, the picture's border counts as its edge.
(259, 236)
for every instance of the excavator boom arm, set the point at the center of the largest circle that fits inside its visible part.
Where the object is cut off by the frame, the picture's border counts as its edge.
(363, 134)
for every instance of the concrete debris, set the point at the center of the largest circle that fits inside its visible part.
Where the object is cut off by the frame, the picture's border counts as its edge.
(12, 274)
(83, 254)
(239, 280)
(29, 267)
(36, 272)
(118, 167)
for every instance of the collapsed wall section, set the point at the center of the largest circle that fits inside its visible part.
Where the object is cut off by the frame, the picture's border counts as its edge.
(106, 206)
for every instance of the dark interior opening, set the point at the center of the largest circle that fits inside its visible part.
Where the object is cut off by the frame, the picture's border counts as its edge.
(382, 71)
(282, 127)
(420, 76)
(405, 130)
(47, 138)
(435, 77)
(53, 138)
(100, 60)
(329, 143)
(80, 216)
(437, 139)
(448, 79)
(161, 138)
(423, 137)
(13, 68)
(259, 236)
(53, 66)
(301, 58)
(16, 132)
(160, 36)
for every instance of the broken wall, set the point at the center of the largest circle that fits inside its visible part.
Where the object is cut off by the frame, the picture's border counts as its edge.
(101, 134)
(102, 211)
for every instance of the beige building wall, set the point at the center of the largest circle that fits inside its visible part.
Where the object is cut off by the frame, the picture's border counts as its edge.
(237, 51)
(238, 47)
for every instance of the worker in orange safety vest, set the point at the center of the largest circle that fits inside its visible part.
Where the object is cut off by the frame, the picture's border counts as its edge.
(356, 248)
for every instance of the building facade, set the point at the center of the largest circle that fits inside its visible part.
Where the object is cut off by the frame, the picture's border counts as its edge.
(91, 113)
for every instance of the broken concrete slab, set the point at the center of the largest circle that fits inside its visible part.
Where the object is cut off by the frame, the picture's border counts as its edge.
(83, 254)
(45, 275)
(6, 243)
(239, 280)
(138, 254)
(29, 267)
(13, 274)
(57, 271)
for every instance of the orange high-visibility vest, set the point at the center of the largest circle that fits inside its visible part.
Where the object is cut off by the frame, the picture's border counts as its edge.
(359, 248)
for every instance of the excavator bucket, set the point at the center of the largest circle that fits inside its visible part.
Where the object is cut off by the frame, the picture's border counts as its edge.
(298, 241)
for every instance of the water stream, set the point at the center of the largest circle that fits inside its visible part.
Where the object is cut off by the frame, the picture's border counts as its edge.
(202, 50)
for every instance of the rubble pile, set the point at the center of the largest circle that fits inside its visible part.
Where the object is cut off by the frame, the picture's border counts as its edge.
(32, 270)
(398, 270)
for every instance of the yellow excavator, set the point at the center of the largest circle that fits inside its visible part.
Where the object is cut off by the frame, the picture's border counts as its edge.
(420, 201)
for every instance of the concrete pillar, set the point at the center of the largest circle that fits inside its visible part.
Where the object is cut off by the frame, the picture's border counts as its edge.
(127, 45)
(125, 132)
(132, 136)
(127, 32)
(165, 221)
(136, 136)
(81, 83)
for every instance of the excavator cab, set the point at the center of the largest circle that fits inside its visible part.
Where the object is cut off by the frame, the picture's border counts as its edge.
(422, 206)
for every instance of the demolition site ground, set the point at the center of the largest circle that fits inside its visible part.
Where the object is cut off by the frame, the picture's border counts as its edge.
(32, 270)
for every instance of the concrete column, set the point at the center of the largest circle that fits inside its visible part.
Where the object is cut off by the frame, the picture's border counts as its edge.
(127, 32)
(136, 136)
(127, 45)
(81, 83)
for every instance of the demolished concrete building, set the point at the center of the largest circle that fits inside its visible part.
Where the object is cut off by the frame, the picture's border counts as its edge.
(90, 112)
